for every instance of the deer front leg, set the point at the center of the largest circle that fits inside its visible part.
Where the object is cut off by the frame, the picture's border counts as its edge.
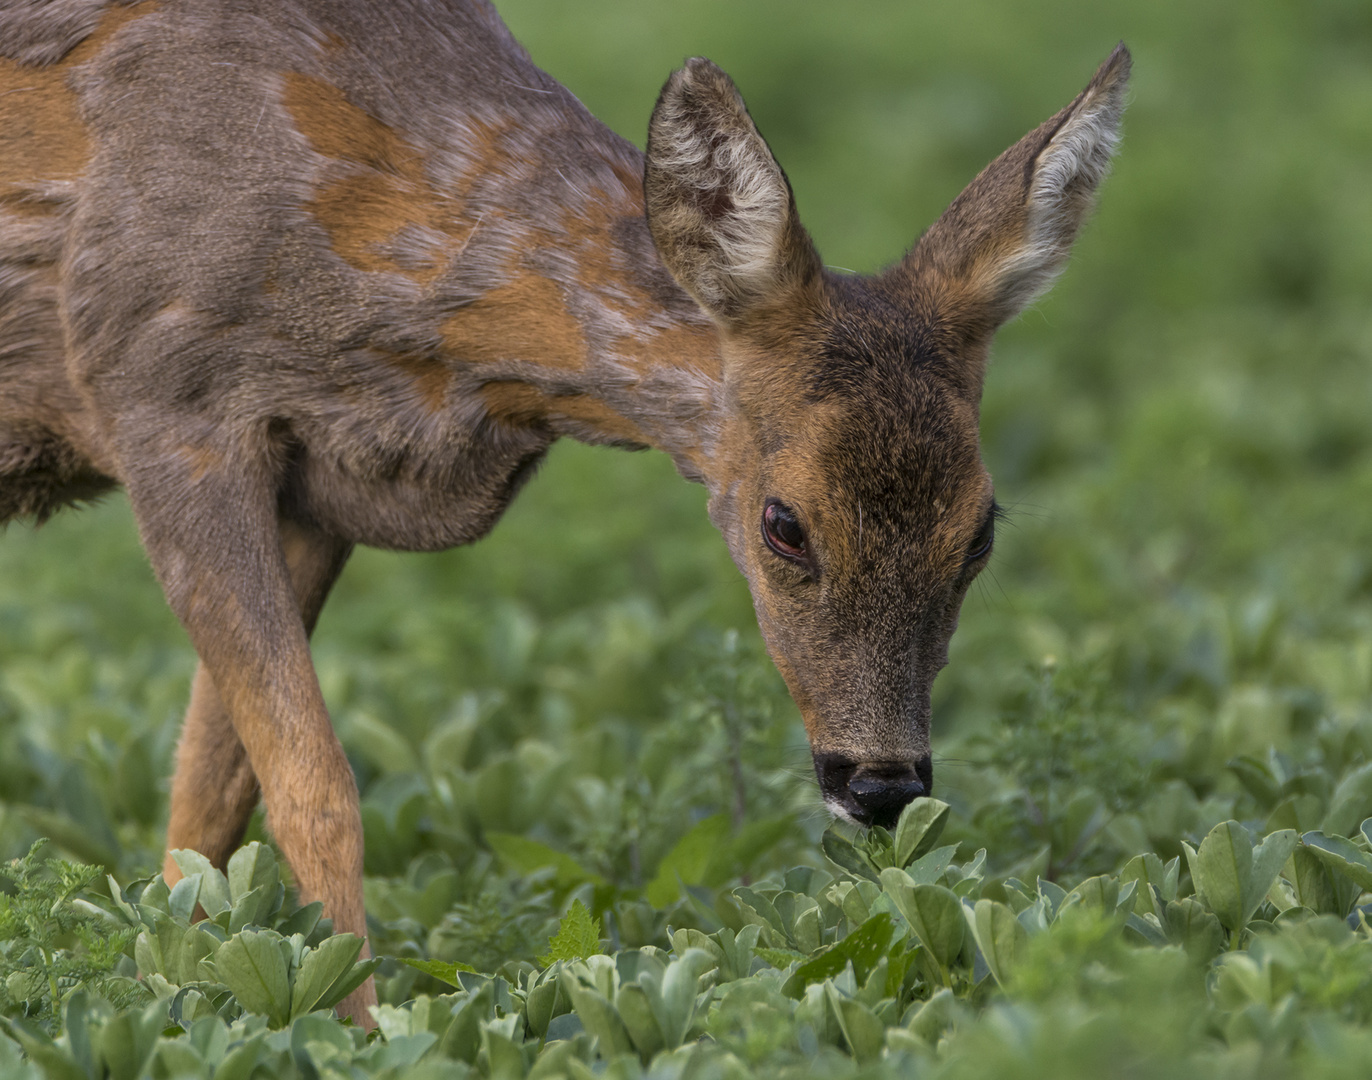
(214, 790)
(209, 523)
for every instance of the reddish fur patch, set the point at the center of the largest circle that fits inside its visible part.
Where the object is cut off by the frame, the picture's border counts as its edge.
(526, 319)
(382, 189)
(524, 405)
(431, 378)
(42, 137)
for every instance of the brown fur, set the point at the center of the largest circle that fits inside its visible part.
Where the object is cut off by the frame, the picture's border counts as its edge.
(303, 274)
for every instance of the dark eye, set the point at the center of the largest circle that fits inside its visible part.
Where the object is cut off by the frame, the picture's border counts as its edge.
(782, 532)
(986, 536)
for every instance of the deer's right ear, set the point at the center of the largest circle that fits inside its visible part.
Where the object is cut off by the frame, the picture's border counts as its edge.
(719, 207)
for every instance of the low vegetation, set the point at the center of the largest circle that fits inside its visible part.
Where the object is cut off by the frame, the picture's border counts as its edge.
(594, 847)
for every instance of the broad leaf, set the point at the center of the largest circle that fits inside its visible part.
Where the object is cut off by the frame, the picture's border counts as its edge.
(252, 965)
(998, 934)
(863, 948)
(933, 912)
(320, 968)
(920, 825)
(1342, 855)
(687, 862)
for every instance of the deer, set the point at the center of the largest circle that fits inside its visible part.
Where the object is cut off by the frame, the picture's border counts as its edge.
(301, 275)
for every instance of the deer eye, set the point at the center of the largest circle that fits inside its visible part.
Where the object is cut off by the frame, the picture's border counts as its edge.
(782, 532)
(986, 536)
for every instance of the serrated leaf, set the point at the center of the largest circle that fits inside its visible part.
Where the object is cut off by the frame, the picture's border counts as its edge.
(526, 856)
(439, 969)
(686, 863)
(577, 937)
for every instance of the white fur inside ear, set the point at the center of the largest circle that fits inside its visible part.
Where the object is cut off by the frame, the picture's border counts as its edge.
(1066, 175)
(730, 201)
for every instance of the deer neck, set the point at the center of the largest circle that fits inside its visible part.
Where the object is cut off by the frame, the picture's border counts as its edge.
(571, 324)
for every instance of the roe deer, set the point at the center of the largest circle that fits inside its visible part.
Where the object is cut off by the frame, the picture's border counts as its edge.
(304, 274)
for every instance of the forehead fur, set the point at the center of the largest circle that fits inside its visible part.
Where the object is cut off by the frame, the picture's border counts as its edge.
(880, 448)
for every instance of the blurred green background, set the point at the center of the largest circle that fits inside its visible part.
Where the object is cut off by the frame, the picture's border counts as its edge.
(1180, 431)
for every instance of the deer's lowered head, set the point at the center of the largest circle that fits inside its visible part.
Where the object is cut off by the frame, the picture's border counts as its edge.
(844, 465)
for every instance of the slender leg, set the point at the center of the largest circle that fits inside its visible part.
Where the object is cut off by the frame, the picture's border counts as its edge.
(214, 790)
(209, 524)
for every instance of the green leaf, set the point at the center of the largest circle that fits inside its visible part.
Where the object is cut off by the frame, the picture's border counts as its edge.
(316, 1042)
(439, 969)
(688, 860)
(462, 1038)
(933, 912)
(1350, 803)
(1320, 885)
(319, 969)
(920, 825)
(863, 948)
(526, 856)
(842, 853)
(1342, 855)
(1268, 858)
(577, 937)
(252, 866)
(998, 934)
(1221, 870)
(128, 1039)
(214, 887)
(1188, 924)
(677, 1000)
(601, 1020)
(864, 1033)
(934, 1017)
(639, 1020)
(252, 966)
(930, 868)
(1148, 870)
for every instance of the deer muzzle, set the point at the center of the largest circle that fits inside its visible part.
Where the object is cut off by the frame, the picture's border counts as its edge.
(872, 792)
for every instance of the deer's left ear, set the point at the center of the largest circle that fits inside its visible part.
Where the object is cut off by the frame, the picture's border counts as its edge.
(719, 207)
(1005, 238)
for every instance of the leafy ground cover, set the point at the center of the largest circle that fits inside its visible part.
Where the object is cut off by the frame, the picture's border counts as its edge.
(583, 781)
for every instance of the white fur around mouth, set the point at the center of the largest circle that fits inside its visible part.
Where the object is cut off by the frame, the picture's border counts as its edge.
(838, 810)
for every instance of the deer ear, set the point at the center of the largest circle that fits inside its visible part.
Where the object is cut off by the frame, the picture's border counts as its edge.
(1001, 243)
(719, 207)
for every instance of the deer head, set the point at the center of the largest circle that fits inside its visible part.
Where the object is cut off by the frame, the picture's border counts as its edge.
(845, 471)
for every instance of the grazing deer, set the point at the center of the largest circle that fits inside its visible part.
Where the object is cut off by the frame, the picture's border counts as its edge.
(305, 274)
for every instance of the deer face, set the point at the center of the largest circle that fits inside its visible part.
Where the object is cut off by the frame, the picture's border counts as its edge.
(846, 476)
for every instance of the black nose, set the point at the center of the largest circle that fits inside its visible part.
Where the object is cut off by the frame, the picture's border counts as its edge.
(882, 800)
(872, 792)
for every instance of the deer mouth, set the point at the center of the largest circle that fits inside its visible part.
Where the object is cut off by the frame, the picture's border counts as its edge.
(872, 792)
